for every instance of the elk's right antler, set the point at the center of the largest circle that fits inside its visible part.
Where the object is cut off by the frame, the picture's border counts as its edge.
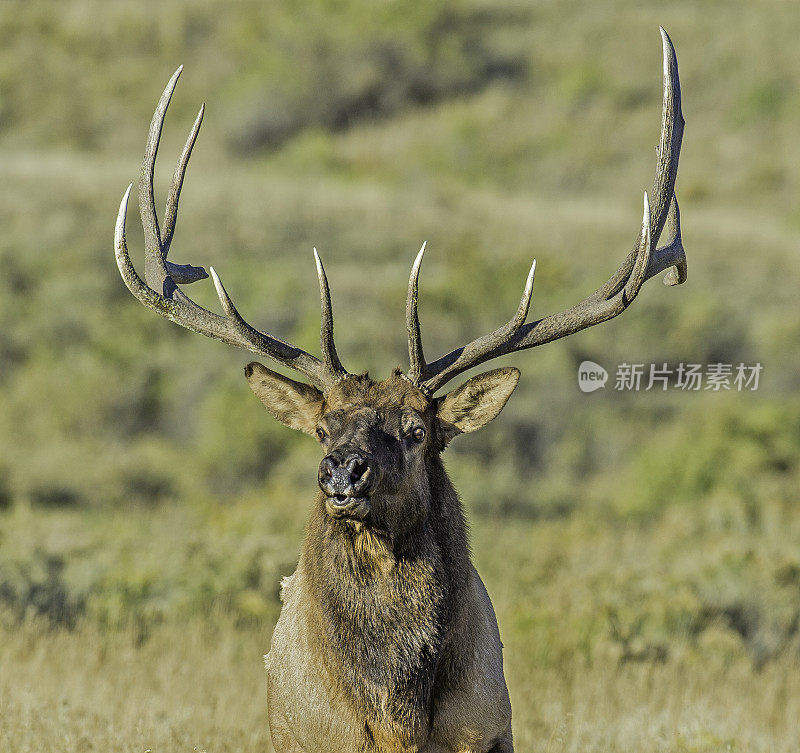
(161, 292)
(608, 301)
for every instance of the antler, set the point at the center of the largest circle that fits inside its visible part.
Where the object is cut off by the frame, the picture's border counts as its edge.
(610, 300)
(161, 292)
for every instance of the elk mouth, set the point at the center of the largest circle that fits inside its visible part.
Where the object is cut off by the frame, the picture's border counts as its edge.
(345, 506)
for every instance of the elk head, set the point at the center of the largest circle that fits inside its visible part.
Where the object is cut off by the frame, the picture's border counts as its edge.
(380, 438)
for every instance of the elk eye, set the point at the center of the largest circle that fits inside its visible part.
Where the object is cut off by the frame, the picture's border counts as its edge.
(321, 434)
(418, 434)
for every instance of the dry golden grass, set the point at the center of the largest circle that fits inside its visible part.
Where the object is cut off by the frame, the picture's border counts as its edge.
(187, 688)
(192, 688)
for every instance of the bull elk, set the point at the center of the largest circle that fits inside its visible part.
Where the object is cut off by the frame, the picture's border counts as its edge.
(387, 640)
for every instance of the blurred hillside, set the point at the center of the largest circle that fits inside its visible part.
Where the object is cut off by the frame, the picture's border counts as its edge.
(141, 484)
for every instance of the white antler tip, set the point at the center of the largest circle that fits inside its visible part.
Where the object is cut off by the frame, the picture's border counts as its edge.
(221, 292)
(318, 263)
(666, 44)
(175, 77)
(418, 260)
(119, 228)
(529, 282)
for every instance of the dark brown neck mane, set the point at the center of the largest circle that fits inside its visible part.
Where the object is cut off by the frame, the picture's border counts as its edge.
(387, 607)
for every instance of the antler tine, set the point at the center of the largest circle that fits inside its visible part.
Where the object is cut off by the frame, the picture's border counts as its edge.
(418, 371)
(669, 147)
(160, 273)
(640, 266)
(644, 261)
(416, 356)
(327, 346)
(161, 293)
(132, 281)
(515, 324)
(225, 300)
(155, 270)
(177, 180)
(669, 150)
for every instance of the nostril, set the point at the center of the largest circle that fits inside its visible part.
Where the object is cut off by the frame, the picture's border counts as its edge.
(327, 467)
(357, 468)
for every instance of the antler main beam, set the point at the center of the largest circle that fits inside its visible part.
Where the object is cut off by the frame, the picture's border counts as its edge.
(160, 292)
(608, 301)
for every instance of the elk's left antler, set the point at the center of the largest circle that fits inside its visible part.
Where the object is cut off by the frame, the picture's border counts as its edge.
(645, 260)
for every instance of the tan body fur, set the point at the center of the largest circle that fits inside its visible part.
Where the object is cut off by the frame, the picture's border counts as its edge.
(469, 715)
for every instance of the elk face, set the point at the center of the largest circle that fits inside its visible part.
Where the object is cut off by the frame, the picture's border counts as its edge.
(380, 438)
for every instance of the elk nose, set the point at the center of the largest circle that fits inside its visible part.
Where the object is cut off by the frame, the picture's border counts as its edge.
(343, 475)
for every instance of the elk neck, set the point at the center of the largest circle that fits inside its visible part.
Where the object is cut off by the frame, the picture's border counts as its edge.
(384, 608)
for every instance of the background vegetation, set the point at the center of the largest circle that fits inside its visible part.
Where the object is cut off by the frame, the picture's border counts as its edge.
(641, 548)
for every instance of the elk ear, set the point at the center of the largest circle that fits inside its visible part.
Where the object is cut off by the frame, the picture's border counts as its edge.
(476, 402)
(294, 404)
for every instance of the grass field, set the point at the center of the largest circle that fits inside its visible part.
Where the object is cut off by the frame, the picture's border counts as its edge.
(618, 636)
(642, 549)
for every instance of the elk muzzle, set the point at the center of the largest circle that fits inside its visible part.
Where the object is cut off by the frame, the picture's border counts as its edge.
(347, 477)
